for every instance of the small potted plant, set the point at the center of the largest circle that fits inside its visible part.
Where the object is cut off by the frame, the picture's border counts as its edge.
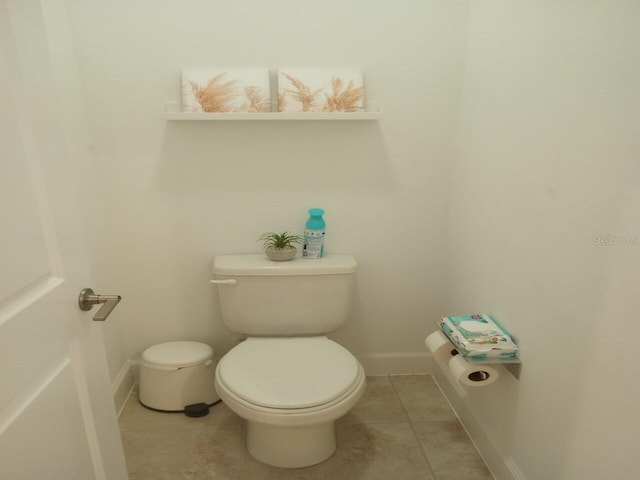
(279, 246)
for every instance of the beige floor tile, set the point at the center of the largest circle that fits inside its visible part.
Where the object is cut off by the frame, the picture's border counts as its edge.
(135, 416)
(163, 446)
(422, 398)
(367, 452)
(184, 453)
(376, 440)
(379, 404)
(450, 451)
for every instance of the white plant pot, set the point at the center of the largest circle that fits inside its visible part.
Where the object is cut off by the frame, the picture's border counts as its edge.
(281, 254)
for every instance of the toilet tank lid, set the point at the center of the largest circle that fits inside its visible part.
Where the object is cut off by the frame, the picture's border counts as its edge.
(259, 264)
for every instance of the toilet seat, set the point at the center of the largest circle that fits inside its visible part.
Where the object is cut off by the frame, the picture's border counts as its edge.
(260, 372)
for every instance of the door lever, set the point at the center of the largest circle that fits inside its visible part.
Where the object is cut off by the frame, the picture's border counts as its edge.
(88, 299)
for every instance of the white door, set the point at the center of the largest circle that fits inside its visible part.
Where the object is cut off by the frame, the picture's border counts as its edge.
(57, 418)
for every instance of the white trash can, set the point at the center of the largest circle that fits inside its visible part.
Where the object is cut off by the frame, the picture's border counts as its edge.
(176, 375)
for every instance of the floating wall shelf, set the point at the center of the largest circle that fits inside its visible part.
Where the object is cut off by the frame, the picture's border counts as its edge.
(512, 364)
(172, 112)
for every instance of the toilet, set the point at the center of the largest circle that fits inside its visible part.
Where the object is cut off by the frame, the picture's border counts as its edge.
(288, 380)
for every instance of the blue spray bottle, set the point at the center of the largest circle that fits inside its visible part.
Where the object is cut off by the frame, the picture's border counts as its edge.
(314, 231)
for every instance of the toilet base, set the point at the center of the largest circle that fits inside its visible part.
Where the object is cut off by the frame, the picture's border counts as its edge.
(291, 447)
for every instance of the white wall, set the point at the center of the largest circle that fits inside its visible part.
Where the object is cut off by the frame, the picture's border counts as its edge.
(531, 110)
(174, 194)
(545, 195)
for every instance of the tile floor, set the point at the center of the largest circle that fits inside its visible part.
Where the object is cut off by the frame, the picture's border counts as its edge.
(402, 428)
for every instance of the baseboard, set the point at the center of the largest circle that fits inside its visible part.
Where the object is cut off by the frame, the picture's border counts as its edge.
(396, 363)
(501, 465)
(122, 385)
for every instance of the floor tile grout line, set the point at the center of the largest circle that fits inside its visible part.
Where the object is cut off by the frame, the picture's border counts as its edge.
(424, 452)
(399, 397)
(413, 430)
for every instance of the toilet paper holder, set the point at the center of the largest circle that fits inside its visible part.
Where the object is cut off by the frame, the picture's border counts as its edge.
(512, 364)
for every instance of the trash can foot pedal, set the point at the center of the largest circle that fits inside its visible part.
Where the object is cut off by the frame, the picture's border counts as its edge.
(196, 410)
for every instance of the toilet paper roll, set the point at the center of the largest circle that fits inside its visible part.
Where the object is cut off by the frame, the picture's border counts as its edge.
(440, 346)
(472, 374)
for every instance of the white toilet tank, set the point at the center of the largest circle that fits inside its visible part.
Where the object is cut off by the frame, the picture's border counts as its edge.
(297, 297)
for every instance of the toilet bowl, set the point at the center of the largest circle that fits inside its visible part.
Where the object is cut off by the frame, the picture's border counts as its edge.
(290, 391)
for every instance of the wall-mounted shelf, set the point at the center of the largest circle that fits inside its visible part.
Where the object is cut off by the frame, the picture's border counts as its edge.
(172, 112)
(512, 364)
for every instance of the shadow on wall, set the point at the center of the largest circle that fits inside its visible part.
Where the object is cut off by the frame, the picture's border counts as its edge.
(278, 155)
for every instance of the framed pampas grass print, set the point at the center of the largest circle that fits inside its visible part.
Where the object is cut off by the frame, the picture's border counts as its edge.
(320, 90)
(220, 90)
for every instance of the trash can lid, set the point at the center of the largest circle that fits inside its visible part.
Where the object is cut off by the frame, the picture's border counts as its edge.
(177, 354)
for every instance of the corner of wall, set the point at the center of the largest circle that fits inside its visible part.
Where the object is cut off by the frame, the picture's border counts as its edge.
(124, 383)
(502, 466)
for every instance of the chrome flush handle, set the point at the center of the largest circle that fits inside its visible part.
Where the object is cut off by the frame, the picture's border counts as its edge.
(88, 299)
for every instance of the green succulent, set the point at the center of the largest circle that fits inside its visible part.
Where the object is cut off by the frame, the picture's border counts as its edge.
(279, 240)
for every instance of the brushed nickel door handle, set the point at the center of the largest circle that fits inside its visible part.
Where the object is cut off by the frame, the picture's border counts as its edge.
(88, 299)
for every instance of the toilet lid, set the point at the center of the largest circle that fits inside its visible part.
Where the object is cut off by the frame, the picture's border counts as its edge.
(177, 354)
(288, 372)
